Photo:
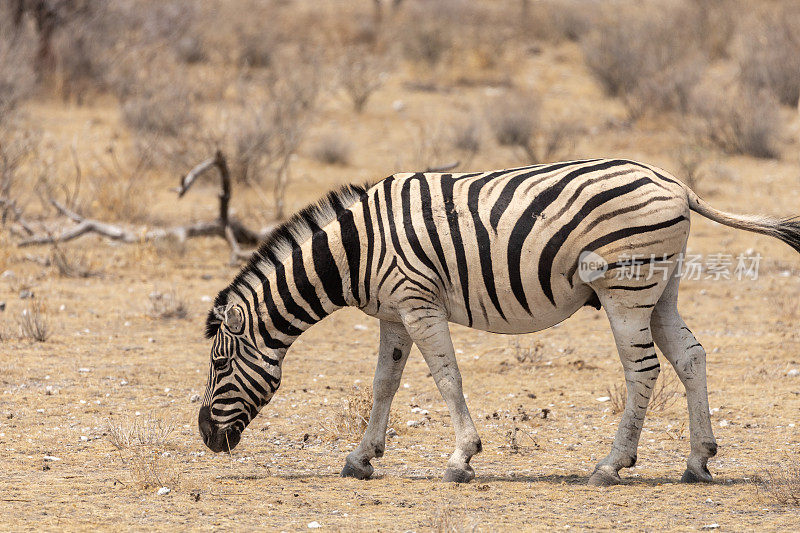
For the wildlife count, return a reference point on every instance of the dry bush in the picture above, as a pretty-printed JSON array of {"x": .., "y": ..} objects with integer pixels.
[
  {"x": 33, "y": 321},
  {"x": 655, "y": 72},
  {"x": 448, "y": 519},
  {"x": 256, "y": 50},
  {"x": 140, "y": 443},
  {"x": 556, "y": 20},
  {"x": 16, "y": 149},
  {"x": 665, "y": 393},
  {"x": 516, "y": 122},
  {"x": 17, "y": 77},
  {"x": 332, "y": 149},
  {"x": 428, "y": 143},
  {"x": 190, "y": 50},
  {"x": 165, "y": 110},
  {"x": 467, "y": 138},
  {"x": 533, "y": 354},
  {"x": 740, "y": 121},
  {"x": 351, "y": 419},
  {"x": 360, "y": 75},
  {"x": 118, "y": 185},
  {"x": 167, "y": 305},
  {"x": 69, "y": 263},
  {"x": 782, "y": 485},
  {"x": 769, "y": 52},
  {"x": 690, "y": 159}
]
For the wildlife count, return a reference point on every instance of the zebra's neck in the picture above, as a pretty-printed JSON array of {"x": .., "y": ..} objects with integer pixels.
[{"x": 292, "y": 289}]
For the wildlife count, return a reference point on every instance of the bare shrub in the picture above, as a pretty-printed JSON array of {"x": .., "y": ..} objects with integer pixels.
[
  {"x": 167, "y": 305},
  {"x": 69, "y": 263},
  {"x": 190, "y": 49},
  {"x": 532, "y": 354},
  {"x": 556, "y": 20},
  {"x": 516, "y": 122},
  {"x": 332, "y": 149},
  {"x": 690, "y": 159},
  {"x": 360, "y": 75},
  {"x": 140, "y": 445},
  {"x": 665, "y": 393},
  {"x": 740, "y": 121},
  {"x": 16, "y": 148},
  {"x": 147, "y": 430},
  {"x": 33, "y": 321},
  {"x": 769, "y": 53},
  {"x": 656, "y": 72},
  {"x": 118, "y": 183},
  {"x": 17, "y": 77},
  {"x": 256, "y": 50},
  {"x": 351, "y": 419},
  {"x": 467, "y": 138},
  {"x": 781, "y": 485},
  {"x": 426, "y": 42},
  {"x": 166, "y": 111}
]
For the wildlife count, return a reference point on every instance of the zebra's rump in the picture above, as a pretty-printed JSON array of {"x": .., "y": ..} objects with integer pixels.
[{"x": 505, "y": 245}]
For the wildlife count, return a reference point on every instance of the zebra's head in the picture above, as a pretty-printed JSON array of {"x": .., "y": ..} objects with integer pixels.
[{"x": 243, "y": 376}]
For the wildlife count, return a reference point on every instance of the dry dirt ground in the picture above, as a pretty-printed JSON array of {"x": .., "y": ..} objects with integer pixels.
[{"x": 110, "y": 369}]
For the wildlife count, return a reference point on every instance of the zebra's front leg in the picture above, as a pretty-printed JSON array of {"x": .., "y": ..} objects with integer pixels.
[
  {"x": 395, "y": 345},
  {"x": 631, "y": 328},
  {"x": 431, "y": 333}
]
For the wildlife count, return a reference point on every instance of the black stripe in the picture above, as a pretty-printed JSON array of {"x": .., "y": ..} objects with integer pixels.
[
  {"x": 326, "y": 269},
  {"x": 379, "y": 217},
  {"x": 430, "y": 225},
  {"x": 624, "y": 233},
  {"x": 648, "y": 368},
  {"x": 632, "y": 288},
  {"x": 647, "y": 358},
  {"x": 447, "y": 182},
  {"x": 507, "y": 194},
  {"x": 623, "y": 210},
  {"x": 392, "y": 229},
  {"x": 484, "y": 243},
  {"x": 304, "y": 287},
  {"x": 408, "y": 225},
  {"x": 389, "y": 270},
  {"x": 644, "y": 345},
  {"x": 548, "y": 254},
  {"x": 370, "y": 247},
  {"x": 352, "y": 249},
  {"x": 526, "y": 221}
]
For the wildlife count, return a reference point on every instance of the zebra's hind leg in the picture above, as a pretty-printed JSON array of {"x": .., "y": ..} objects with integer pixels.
[
  {"x": 688, "y": 357},
  {"x": 431, "y": 334},
  {"x": 630, "y": 323},
  {"x": 395, "y": 345}
]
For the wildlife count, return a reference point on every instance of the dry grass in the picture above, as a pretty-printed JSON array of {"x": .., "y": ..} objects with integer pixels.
[
  {"x": 167, "y": 305},
  {"x": 782, "y": 485},
  {"x": 140, "y": 443},
  {"x": 70, "y": 263},
  {"x": 360, "y": 75},
  {"x": 532, "y": 354},
  {"x": 351, "y": 418},
  {"x": 665, "y": 393},
  {"x": 449, "y": 519},
  {"x": 33, "y": 322}
]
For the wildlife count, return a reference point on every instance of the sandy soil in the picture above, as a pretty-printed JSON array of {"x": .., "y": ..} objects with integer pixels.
[{"x": 109, "y": 365}]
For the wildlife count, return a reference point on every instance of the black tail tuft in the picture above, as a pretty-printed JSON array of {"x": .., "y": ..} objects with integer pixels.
[{"x": 788, "y": 230}]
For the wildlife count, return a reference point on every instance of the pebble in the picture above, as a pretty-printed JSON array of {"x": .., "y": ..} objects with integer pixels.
[
  {"x": 194, "y": 398},
  {"x": 51, "y": 458},
  {"x": 23, "y": 294},
  {"x": 360, "y": 327},
  {"x": 206, "y": 299},
  {"x": 793, "y": 372},
  {"x": 2, "y": 306},
  {"x": 163, "y": 491},
  {"x": 413, "y": 423},
  {"x": 723, "y": 423},
  {"x": 603, "y": 399},
  {"x": 709, "y": 527},
  {"x": 314, "y": 525},
  {"x": 83, "y": 369},
  {"x": 398, "y": 105}
]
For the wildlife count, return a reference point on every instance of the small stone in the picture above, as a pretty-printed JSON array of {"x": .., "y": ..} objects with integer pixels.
[
  {"x": 360, "y": 327},
  {"x": 84, "y": 370},
  {"x": 314, "y": 525},
  {"x": 723, "y": 423},
  {"x": 23, "y": 294},
  {"x": 163, "y": 491},
  {"x": 391, "y": 432},
  {"x": 413, "y": 423},
  {"x": 709, "y": 527},
  {"x": 194, "y": 398},
  {"x": 398, "y": 105},
  {"x": 793, "y": 372},
  {"x": 206, "y": 299},
  {"x": 51, "y": 458},
  {"x": 603, "y": 398},
  {"x": 2, "y": 306},
  {"x": 123, "y": 383},
  {"x": 84, "y": 438}
]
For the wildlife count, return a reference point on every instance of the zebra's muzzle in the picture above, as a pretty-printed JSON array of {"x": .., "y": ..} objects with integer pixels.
[{"x": 217, "y": 440}]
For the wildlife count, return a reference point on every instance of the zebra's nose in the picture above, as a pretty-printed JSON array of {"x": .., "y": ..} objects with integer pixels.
[{"x": 204, "y": 421}]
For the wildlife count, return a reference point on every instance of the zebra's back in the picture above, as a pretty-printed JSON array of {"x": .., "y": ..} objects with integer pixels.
[{"x": 504, "y": 246}]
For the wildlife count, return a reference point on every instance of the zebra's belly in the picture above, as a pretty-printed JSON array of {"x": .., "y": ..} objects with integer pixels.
[{"x": 514, "y": 320}]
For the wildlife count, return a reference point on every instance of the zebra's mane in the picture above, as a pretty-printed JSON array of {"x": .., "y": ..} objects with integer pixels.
[{"x": 288, "y": 236}]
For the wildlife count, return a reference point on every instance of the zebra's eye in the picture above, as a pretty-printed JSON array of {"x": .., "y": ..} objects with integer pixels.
[{"x": 220, "y": 363}]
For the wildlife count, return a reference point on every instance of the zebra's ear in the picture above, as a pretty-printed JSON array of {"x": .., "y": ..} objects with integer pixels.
[
  {"x": 234, "y": 319},
  {"x": 219, "y": 312},
  {"x": 214, "y": 320}
]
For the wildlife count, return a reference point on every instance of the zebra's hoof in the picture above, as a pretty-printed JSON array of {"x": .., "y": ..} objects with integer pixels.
[
  {"x": 362, "y": 472},
  {"x": 604, "y": 477},
  {"x": 459, "y": 475},
  {"x": 693, "y": 477}
]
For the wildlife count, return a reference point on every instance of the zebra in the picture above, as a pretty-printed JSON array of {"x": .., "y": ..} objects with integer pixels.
[{"x": 498, "y": 251}]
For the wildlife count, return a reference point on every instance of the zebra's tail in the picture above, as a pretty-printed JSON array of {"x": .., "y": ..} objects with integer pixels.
[{"x": 785, "y": 229}]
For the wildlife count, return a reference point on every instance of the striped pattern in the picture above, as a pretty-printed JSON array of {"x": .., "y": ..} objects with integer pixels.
[{"x": 498, "y": 251}]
